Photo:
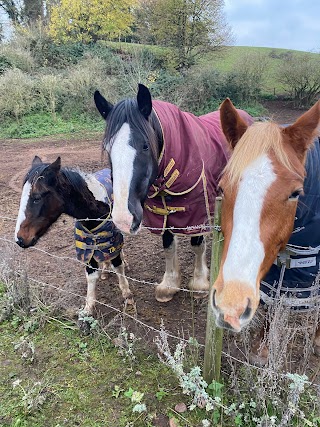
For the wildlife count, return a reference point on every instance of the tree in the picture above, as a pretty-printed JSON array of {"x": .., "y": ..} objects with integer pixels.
[
  {"x": 89, "y": 20},
  {"x": 190, "y": 27},
  {"x": 26, "y": 12},
  {"x": 12, "y": 9},
  {"x": 300, "y": 75}
]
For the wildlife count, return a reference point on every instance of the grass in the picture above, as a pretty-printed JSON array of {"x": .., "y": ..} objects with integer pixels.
[
  {"x": 79, "y": 378},
  {"x": 225, "y": 62},
  {"x": 44, "y": 124}
]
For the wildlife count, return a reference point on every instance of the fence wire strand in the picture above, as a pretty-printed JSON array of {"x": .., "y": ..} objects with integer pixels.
[{"x": 133, "y": 318}]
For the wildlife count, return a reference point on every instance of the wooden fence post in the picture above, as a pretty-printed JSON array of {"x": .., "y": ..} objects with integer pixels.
[{"x": 214, "y": 335}]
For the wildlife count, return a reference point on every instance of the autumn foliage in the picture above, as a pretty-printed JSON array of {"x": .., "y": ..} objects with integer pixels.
[{"x": 90, "y": 20}]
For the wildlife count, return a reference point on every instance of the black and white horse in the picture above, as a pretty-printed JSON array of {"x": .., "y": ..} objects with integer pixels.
[
  {"x": 165, "y": 165},
  {"x": 49, "y": 191}
]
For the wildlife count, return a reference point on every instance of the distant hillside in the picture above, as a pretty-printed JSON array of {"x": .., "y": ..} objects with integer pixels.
[{"x": 226, "y": 60}]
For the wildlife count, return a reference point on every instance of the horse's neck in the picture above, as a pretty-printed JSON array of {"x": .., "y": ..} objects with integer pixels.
[{"x": 89, "y": 202}]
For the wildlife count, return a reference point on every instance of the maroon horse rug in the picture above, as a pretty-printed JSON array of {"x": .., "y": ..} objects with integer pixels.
[{"x": 182, "y": 186}]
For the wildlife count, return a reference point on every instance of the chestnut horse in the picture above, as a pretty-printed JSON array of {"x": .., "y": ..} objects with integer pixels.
[{"x": 260, "y": 186}]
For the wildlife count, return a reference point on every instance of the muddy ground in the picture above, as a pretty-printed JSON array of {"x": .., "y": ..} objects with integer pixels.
[{"x": 143, "y": 252}]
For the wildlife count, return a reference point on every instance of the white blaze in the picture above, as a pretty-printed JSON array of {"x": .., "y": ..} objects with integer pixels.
[
  {"x": 122, "y": 158},
  {"x": 23, "y": 205},
  {"x": 246, "y": 251}
]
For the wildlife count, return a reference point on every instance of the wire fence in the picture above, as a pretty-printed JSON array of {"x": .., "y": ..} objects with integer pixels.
[{"x": 116, "y": 310}]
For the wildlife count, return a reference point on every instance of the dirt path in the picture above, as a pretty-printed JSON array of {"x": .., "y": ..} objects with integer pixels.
[{"x": 143, "y": 252}]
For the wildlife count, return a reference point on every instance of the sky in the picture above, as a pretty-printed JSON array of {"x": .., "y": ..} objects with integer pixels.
[{"x": 290, "y": 24}]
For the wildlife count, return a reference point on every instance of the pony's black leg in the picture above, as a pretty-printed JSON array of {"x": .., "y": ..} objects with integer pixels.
[
  {"x": 200, "y": 281},
  {"x": 118, "y": 266},
  {"x": 171, "y": 280},
  {"x": 196, "y": 240}
]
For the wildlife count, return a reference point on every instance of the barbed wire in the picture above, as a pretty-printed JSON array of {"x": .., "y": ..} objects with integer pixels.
[
  {"x": 159, "y": 331},
  {"x": 133, "y": 279},
  {"x": 140, "y": 322},
  {"x": 202, "y": 227}
]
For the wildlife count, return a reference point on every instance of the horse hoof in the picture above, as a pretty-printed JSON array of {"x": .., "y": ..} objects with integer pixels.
[
  {"x": 259, "y": 354},
  {"x": 84, "y": 326},
  {"x": 166, "y": 298},
  {"x": 165, "y": 294},
  {"x": 130, "y": 301},
  {"x": 258, "y": 360},
  {"x": 199, "y": 295},
  {"x": 316, "y": 350}
]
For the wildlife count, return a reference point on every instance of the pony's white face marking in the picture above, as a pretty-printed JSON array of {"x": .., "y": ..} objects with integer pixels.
[
  {"x": 246, "y": 251},
  {"x": 122, "y": 158},
  {"x": 22, "y": 209},
  {"x": 98, "y": 190}
]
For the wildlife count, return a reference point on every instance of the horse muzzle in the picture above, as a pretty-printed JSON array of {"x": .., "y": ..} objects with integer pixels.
[
  {"x": 26, "y": 244},
  {"x": 231, "y": 319}
]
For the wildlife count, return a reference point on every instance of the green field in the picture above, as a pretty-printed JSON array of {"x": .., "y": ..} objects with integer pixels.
[{"x": 225, "y": 62}]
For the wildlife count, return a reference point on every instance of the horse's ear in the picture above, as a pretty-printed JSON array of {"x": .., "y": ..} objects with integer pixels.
[
  {"x": 304, "y": 130},
  {"x": 144, "y": 100},
  {"x": 36, "y": 161},
  {"x": 104, "y": 107},
  {"x": 55, "y": 166},
  {"x": 233, "y": 126}
]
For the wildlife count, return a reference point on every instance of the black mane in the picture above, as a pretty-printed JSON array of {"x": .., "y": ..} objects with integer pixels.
[
  {"x": 72, "y": 176},
  {"x": 127, "y": 111}
]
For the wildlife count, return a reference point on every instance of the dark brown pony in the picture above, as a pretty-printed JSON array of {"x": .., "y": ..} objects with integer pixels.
[{"x": 49, "y": 191}]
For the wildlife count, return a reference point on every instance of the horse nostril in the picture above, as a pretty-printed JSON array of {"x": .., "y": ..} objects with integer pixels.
[
  {"x": 20, "y": 242},
  {"x": 213, "y": 300},
  {"x": 247, "y": 313}
]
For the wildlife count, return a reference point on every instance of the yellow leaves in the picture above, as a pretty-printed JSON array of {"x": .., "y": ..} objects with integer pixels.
[{"x": 89, "y": 20}]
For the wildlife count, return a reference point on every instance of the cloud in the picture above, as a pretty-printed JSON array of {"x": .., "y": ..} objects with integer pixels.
[{"x": 291, "y": 24}]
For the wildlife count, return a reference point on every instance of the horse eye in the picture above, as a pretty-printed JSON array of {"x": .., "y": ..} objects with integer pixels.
[
  {"x": 37, "y": 198},
  {"x": 145, "y": 147},
  {"x": 295, "y": 195}
]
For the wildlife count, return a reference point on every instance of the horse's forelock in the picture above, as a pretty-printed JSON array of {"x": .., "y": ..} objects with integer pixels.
[
  {"x": 127, "y": 111},
  {"x": 259, "y": 139}
]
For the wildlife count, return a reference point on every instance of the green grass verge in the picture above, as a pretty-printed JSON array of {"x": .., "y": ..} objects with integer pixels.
[
  {"x": 43, "y": 124},
  {"x": 80, "y": 381}
]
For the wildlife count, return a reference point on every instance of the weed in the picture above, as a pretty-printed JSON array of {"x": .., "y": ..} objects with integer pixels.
[
  {"x": 26, "y": 349},
  {"x": 117, "y": 391},
  {"x": 161, "y": 393},
  {"x": 126, "y": 342},
  {"x": 33, "y": 394}
]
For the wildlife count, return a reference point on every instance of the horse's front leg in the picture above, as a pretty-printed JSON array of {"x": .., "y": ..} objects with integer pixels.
[
  {"x": 92, "y": 275},
  {"x": 200, "y": 279},
  {"x": 316, "y": 342},
  {"x": 118, "y": 266},
  {"x": 172, "y": 279}
]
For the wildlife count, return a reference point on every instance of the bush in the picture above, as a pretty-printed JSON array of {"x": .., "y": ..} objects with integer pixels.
[
  {"x": 201, "y": 90},
  {"x": 4, "y": 64},
  {"x": 17, "y": 94},
  {"x": 17, "y": 57},
  {"x": 244, "y": 84},
  {"x": 80, "y": 83}
]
